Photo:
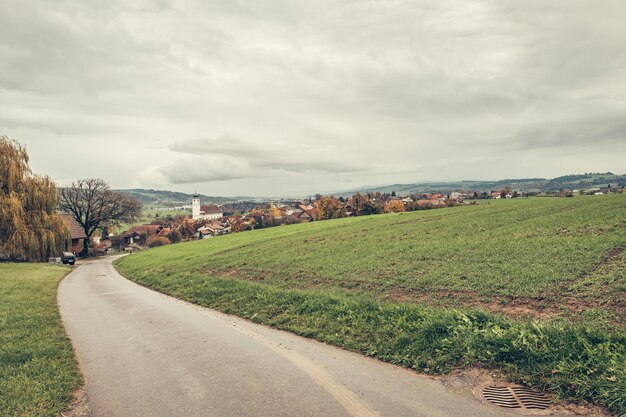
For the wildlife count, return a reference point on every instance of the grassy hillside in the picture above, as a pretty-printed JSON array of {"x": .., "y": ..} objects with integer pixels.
[
  {"x": 545, "y": 255},
  {"x": 38, "y": 373},
  {"x": 150, "y": 213},
  {"x": 384, "y": 285}
]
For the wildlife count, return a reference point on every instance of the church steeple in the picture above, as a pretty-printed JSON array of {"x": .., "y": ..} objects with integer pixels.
[{"x": 195, "y": 206}]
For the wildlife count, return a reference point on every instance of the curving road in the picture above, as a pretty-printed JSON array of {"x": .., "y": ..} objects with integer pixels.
[{"x": 145, "y": 354}]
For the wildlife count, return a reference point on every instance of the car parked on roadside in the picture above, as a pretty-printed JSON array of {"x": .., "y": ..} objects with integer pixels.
[{"x": 68, "y": 258}]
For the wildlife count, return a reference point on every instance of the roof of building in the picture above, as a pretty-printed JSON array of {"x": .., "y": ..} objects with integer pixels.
[
  {"x": 145, "y": 228},
  {"x": 210, "y": 209},
  {"x": 123, "y": 236},
  {"x": 76, "y": 231}
]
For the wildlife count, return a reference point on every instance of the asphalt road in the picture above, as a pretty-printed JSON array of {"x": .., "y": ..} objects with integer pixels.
[{"x": 145, "y": 354}]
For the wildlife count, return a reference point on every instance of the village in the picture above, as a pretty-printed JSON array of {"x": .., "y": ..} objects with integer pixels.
[{"x": 211, "y": 220}]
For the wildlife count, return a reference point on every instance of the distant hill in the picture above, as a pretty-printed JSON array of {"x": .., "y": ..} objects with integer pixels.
[
  {"x": 160, "y": 196},
  {"x": 571, "y": 182}
]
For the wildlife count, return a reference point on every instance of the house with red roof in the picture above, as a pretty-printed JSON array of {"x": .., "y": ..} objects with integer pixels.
[{"x": 77, "y": 234}]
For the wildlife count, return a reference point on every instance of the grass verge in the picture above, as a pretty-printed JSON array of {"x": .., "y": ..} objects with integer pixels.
[{"x": 38, "y": 372}]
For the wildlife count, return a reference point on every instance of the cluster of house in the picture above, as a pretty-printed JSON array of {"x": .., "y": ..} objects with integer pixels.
[
  {"x": 208, "y": 220},
  {"x": 599, "y": 191},
  {"x": 211, "y": 217}
]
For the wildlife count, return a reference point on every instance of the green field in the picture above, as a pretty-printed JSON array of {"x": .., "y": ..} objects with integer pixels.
[
  {"x": 149, "y": 214},
  {"x": 38, "y": 373},
  {"x": 420, "y": 289}
]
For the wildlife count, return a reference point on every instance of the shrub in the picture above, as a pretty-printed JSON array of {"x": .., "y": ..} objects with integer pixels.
[{"x": 159, "y": 241}]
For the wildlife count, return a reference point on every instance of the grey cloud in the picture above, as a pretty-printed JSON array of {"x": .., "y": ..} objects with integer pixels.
[
  {"x": 191, "y": 170},
  {"x": 225, "y": 145},
  {"x": 585, "y": 133},
  {"x": 190, "y": 175},
  {"x": 253, "y": 159},
  {"x": 302, "y": 96}
]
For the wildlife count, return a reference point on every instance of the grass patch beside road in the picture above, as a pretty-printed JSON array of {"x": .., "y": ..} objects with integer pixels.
[
  {"x": 38, "y": 373},
  {"x": 412, "y": 289}
]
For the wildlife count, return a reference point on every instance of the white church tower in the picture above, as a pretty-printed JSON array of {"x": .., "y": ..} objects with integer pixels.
[{"x": 195, "y": 207}]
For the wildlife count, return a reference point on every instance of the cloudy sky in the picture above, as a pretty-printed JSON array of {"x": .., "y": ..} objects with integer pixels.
[{"x": 296, "y": 97}]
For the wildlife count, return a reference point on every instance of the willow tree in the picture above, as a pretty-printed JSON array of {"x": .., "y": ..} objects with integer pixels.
[{"x": 30, "y": 228}]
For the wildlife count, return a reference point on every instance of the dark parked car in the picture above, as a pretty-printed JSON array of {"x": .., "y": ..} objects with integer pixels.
[{"x": 68, "y": 258}]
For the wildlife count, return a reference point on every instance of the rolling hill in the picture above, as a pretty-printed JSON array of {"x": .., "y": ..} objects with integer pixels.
[
  {"x": 158, "y": 196},
  {"x": 570, "y": 182}
]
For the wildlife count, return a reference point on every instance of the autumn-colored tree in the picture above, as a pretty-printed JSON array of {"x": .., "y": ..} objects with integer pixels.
[
  {"x": 174, "y": 236},
  {"x": 275, "y": 211},
  {"x": 357, "y": 202},
  {"x": 394, "y": 206},
  {"x": 271, "y": 221},
  {"x": 330, "y": 208},
  {"x": 187, "y": 228},
  {"x": 292, "y": 220},
  {"x": 236, "y": 224},
  {"x": 371, "y": 207},
  {"x": 94, "y": 205},
  {"x": 158, "y": 241},
  {"x": 30, "y": 228}
]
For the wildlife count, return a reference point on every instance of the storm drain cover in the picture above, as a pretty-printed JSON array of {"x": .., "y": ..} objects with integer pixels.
[{"x": 515, "y": 397}]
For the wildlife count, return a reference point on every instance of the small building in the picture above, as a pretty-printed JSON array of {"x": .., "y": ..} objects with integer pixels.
[
  {"x": 204, "y": 212},
  {"x": 146, "y": 229},
  {"x": 77, "y": 235},
  {"x": 255, "y": 218},
  {"x": 305, "y": 216},
  {"x": 211, "y": 212},
  {"x": 309, "y": 212},
  {"x": 127, "y": 239},
  {"x": 213, "y": 228}
]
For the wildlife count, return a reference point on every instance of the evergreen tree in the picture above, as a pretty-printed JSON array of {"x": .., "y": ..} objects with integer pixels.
[{"x": 30, "y": 228}]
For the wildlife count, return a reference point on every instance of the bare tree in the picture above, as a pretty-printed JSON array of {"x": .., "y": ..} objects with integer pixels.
[{"x": 95, "y": 206}]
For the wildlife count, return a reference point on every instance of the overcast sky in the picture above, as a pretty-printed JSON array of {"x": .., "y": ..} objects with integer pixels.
[{"x": 297, "y": 97}]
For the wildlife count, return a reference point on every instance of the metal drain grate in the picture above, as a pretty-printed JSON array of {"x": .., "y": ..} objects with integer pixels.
[{"x": 515, "y": 397}]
